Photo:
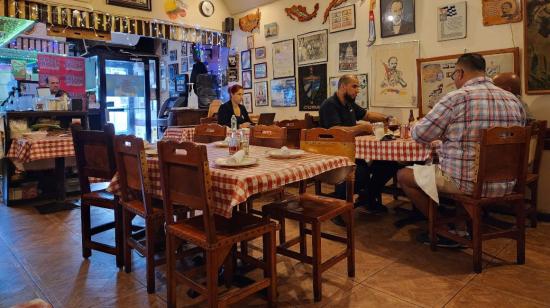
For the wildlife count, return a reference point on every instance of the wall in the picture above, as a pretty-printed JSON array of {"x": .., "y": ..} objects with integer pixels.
[{"x": 479, "y": 38}]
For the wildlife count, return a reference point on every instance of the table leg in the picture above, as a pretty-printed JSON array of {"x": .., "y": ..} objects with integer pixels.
[{"x": 60, "y": 179}]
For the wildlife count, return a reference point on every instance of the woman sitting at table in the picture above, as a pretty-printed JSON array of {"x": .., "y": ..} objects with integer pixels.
[{"x": 234, "y": 107}]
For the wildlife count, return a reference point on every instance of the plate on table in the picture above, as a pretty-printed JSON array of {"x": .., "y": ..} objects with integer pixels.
[
  {"x": 227, "y": 162},
  {"x": 285, "y": 154},
  {"x": 222, "y": 144}
]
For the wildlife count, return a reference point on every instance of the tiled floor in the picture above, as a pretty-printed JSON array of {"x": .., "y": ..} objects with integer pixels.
[{"x": 40, "y": 257}]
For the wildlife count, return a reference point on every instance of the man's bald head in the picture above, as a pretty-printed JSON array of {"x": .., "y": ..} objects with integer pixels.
[
  {"x": 509, "y": 82},
  {"x": 347, "y": 79}
]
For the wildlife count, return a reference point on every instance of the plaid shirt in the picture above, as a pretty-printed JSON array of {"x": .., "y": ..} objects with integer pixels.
[{"x": 458, "y": 118}]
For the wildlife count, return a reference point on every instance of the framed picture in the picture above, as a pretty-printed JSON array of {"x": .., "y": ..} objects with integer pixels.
[
  {"x": 173, "y": 70},
  {"x": 134, "y": 4},
  {"x": 261, "y": 97},
  {"x": 283, "y": 92},
  {"x": 452, "y": 23},
  {"x": 260, "y": 70},
  {"x": 247, "y": 80},
  {"x": 232, "y": 75},
  {"x": 245, "y": 60},
  {"x": 283, "y": 59},
  {"x": 183, "y": 49},
  {"x": 162, "y": 75},
  {"x": 498, "y": 12},
  {"x": 259, "y": 53},
  {"x": 164, "y": 48},
  {"x": 536, "y": 46},
  {"x": 184, "y": 65},
  {"x": 250, "y": 42},
  {"x": 312, "y": 86},
  {"x": 394, "y": 78},
  {"x": 173, "y": 55},
  {"x": 398, "y": 17},
  {"x": 271, "y": 30},
  {"x": 342, "y": 18},
  {"x": 312, "y": 47},
  {"x": 233, "y": 61},
  {"x": 434, "y": 74},
  {"x": 333, "y": 85},
  {"x": 247, "y": 101},
  {"x": 347, "y": 56}
]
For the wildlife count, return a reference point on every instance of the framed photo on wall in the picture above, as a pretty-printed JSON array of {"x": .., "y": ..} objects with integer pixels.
[
  {"x": 246, "y": 62},
  {"x": 261, "y": 97},
  {"x": 271, "y": 30},
  {"x": 362, "y": 98},
  {"x": 247, "y": 79},
  {"x": 247, "y": 101},
  {"x": 283, "y": 92},
  {"x": 312, "y": 47},
  {"x": 260, "y": 70},
  {"x": 250, "y": 42},
  {"x": 312, "y": 86},
  {"x": 452, "y": 22},
  {"x": 397, "y": 17},
  {"x": 347, "y": 56},
  {"x": 283, "y": 59},
  {"x": 434, "y": 74},
  {"x": 259, "y": 53},
  {"x": 536, "y": 31},
  {"x": 134, "y": 4},
  {"x": 498, "y": 12},
  {"x": 342, "y": 18}
]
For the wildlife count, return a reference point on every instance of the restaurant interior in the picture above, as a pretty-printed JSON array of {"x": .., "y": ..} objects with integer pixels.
[{"x": 262, "y": 153}]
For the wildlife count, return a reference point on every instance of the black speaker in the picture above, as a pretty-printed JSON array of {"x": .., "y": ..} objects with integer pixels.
[{"x": 228, "y": 24}]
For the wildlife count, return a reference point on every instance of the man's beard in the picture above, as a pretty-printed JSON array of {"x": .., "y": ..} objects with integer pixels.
[{"x": 349, "y": 98}]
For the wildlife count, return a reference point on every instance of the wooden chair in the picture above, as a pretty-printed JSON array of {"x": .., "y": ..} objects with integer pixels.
[
  {"x": 207, "y": 133},
  {"x": 313, "y": 209},
  {"x": 294, "y": 129},
  {"x": 493, "y": 167},
  {"x": 185, "y": 179},
  {"x": 135, "y": 198},
  {"x": 538, "y": 131},
  {"x": 268, "y": 136},
  {"x": 95, "y": 158},
  {"x": 213, "y": 120}
]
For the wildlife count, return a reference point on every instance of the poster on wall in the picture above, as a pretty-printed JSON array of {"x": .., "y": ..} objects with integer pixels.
[
  {"x": 283, "y": 59},
  {"x": 312, "y": 47},
  {"x": 393, "y": 66},
  {"x": 347, "y": 56},
  {"x": 283, "y": 92},
  {"x": 536, "y": 34},
  {"x": 452, "y": 21},
  {"x": 498, "y": 12},
  {"x": 70, "y": 71},
  {"x": 247, "y": 101},
  {"x": 312, "y": 86},
  {"x": 261, "y": 94},
  {"x": 434, "y": 74},
  {"x": 398, "y": 17},
  {"x": 362, "y": 98},
  {"x": 342, "y": 18}
]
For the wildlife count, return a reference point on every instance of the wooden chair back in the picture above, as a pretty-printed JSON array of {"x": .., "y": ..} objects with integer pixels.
[
  {"x": 132, "y": 170},
  {"x": 208, "y": 120},
  {"x": 94, "y": 154},
  {"x": 293, "y": 131},
  {"x": 538, "y": 131},
  {"x": 181, "y": 161},
  {"x": 213, "y": 108},
  {"x": 494, "y": 166},
  {"x": 311, "y": 122},
  {"x": 268, "y": 136},
  {"x": 206, "y": 133}
]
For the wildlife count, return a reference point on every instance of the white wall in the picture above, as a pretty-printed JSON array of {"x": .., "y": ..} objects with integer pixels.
[{"x": 479, "y": 38}]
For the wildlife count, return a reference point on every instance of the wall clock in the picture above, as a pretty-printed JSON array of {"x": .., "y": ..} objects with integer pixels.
[{"x": 206, "y": 8}]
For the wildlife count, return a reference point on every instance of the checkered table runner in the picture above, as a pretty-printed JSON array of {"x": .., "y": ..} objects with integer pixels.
[
  {"x": 26, "y": 150},
  {"x": 369, "y": 148},
  {"x": 232, "y": 186},
  {"x": 183, "y": 133}
]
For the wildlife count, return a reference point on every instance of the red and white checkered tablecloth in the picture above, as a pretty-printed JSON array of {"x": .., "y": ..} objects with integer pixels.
[
  {"x": 369, "y": 148},
  {"x": 26, "y": 150},
  {"x": 185, "y": 133},
  {"x": 232, "y": 186}
]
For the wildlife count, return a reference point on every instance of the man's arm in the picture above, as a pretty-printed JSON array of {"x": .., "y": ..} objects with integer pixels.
[
  {"x": 357, "y": 130},
  {"x": 375, "y": 117},
  {"x": 434, "y": 124}
]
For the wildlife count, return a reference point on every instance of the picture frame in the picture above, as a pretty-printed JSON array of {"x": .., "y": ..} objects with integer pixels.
[
  {"x": 390, "y": 13},
  {"x": 312, "y": 86},
  {"x": 536, "y": 48},
  {"x": 144, "y": 5},
  {"x": 164, "y": 47},
  {"x": 184, "y": 65},
  {"x": 173, "y": 55},
  {"x": 282, "y": 56},
  {"x": 347, "y": 56},
  {"x": 342, "y": 18},
  {"x": 261, "y": 94},
  {"x": 312, "y": 47},
  {"x": 452, "y": 22},
  {"x": 393, "y": 66},
  {"x": 232, "y": 75},
  {"x": 499, "y": 12},
  {"x": 434, "y": 74},
  {"x": 260, "y": 70},
  {"x": 271, "y": 30},
  {"x": 247, "y": 102},
  {"x": 283, "y": 92},
  {"x": 259, "y": 53},
  {"x": 247, "y": 80},
  {"x": 250, "y": 42},
  {"x": 246, "y": 62},
  {"x": 233, "y": 61}
]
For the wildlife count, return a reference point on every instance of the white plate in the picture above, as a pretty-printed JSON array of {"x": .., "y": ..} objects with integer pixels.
[
  {"x": 290, "y": 153},
  {"x": 221, "y": 144},
  {"x": 247, "y": 161}
]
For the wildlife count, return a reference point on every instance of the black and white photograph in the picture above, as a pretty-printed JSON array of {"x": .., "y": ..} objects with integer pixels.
[
  {"x": 247, "y": 80},
  {"x": 312, "y": 86},
  {"x": 183, "y": 49},
  {"x": 397, "y": 17},
  {"x": 233, "y": 61},
  {"x": 451, "y": 23},
  {"x": 537, "y": 46},
  {"x": 271, "y": 30},
  {"x": 260, "y": 70},
  {"x": 232, "y": 75},
  {"x": 246, "y": 62},
  {"x": 347, "y": 53},
  {"x": 312, "y": 47},
  {"x": 283, "y": 59},
  {"x": 261, "y": 97}
]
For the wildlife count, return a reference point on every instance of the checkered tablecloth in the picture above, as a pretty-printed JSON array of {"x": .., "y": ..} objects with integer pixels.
[
  {"x": 232, "y": 186},
  {"x": 369, "y": 148},
  {"x": 184, "y": 133},
  {"x": 26, "y": 150}
]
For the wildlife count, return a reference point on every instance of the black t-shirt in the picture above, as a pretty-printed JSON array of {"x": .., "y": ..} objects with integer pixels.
[{"x": 333, "y": 113}]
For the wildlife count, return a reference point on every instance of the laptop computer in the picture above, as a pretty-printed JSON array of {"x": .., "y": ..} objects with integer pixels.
[{"x": 266, "y": 118}]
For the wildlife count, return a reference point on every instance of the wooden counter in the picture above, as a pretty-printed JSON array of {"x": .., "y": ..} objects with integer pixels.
[{"x": 183, "y": 117}]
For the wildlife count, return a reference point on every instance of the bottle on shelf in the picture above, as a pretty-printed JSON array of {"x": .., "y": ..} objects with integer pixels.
[{"x": 411, "y": 117}]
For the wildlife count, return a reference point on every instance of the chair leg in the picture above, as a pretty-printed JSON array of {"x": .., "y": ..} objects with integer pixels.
[
  {"x": 476, "y": 237},
  {"x": 303, "y": 237},
  {"x": 212, "y": 279},
  {"x": 86, "y": 229},
  {"x": 533, "y": 214},
  {"x": 520, "y": 225},
  {"x": 395, "y": 188},
  {"x": 119, "y": 236},
  {"x": 270, "y": 267},
  {"x": 150, "y": 256},
  {"x": 432, "y": 216},
  {"x": 127, "y": 229},
  {"x": 351, "y": 244},
  {"x": 316, "y": 247},
  {"x": 282, "y": 230},
  {"x": 170, "y": 271}
]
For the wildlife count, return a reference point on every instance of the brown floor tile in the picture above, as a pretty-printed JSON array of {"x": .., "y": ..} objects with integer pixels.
[
  {"x": 363, "y": 296},
  {"x": 477, "y": 295}
]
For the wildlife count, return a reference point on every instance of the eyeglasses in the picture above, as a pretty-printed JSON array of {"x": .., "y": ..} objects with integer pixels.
[{"x": 453, "y": 75}]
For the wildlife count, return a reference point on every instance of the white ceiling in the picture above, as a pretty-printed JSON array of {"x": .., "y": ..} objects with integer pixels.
[{"x": 239, "y": 6}]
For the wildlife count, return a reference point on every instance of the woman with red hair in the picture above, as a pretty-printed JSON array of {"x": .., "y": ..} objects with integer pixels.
[{"x": 234, "y": 107}]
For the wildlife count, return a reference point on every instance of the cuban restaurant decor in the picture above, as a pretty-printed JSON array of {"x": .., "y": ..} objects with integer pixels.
[
  {"x": 250, "y": 22},
  {"x": 175, "y": 8},
  {"x": 333, "y": 4},
  {"x": 300, "y": 12}
]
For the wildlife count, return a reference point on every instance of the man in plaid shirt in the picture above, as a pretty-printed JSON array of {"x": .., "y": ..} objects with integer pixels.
[{"x": 457, "y": 120}]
